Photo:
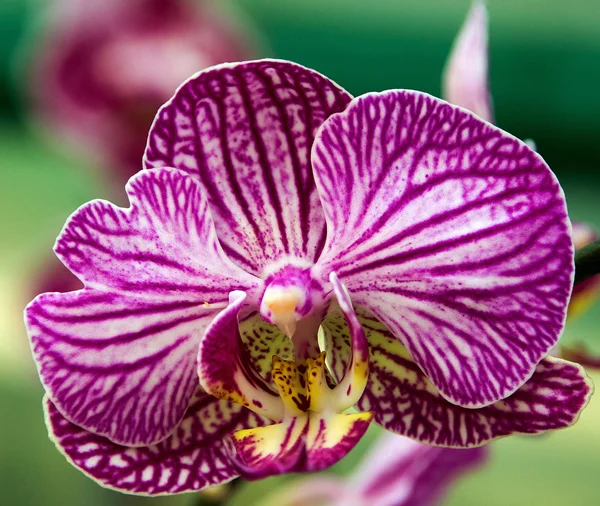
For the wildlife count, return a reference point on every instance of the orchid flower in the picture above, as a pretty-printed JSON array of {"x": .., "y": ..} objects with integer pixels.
[
  {"x": 396, "y": 472},
  {"x": 466, "y": 83},
  {"x": 300, "y": 252}
]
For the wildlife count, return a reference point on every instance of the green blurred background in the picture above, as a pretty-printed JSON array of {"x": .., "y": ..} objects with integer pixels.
[{"x": 545, "y": 77}]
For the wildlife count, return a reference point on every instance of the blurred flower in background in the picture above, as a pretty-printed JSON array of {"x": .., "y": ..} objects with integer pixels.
[
  {"x": 104, "y": 67},
  {"x": 397, "y": 471},
  {"x": 465, "y": 79}
]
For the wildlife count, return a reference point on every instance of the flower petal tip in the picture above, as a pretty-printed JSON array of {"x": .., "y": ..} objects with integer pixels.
[{"x": 465, "y": 78}]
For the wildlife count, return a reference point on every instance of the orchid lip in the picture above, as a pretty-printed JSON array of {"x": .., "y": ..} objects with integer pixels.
[{"x": 311, "y": 428}]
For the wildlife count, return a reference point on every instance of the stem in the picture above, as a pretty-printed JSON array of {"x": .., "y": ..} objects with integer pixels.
[{"x": 587, "y": 261}]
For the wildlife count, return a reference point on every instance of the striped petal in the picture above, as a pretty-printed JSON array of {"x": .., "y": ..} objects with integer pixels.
[
  {"x": 118, "y": 358},
  {"x": 117, "y": 365},
  {"x": 401, "y": 472},
  {"x": 269, "y": 451},
  {"x": 245, "y": 132},
  {"x": 404, "y": 401},
  {"x": 452, "y": 232},
  {"x": 165, "y": 244},
  {"x": 192, "y": 458},
  {"x": 465, "y": 81}
]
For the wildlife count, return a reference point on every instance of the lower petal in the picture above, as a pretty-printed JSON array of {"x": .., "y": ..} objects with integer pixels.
[
  {"x": 331, "y": 438},
  {"x": 272, "y": 450},
  {"x": 404, "y": 401},
  {"x": 117, "y": 365},
  {"x": 192, "y": 458},
  {"x": 404, "y": 472}
]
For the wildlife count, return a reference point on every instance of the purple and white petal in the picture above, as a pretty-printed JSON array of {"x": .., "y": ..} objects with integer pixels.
[
  {"x": 452, "y": 232},
  {"x": 331, "y": 438},
  {"x": 404, "y": 401},
  {"x": 401, "y": 472},
  {"x": 115, "y": 364},
  {"x": 192, "y": 458},
  {"x": 465, "y": 81},
  {"x": 118, "y": 358},
  {"x": 245, "y": 131},
  {"x": 164, "y": 245}
]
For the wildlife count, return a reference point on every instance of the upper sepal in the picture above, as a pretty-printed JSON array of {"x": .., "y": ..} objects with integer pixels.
[{"x": 245, "y": 131}]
